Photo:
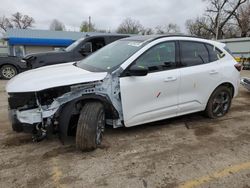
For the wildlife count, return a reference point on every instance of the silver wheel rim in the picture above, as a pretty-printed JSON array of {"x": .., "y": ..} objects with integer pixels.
[
  {"x": 8, "y": 72},
  {"x": 100, "y": 127}
]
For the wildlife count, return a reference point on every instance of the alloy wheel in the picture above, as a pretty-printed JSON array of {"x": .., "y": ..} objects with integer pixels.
[
  {"x": 221, "y": 104},
  {"x": 8, "y": 72}
]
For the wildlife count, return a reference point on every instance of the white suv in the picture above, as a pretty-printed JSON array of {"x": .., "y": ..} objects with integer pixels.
[{"x": 132, "y": 81}]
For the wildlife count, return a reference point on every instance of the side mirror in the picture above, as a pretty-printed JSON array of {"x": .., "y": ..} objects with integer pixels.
[
  {"x": 86, "y": 48},
  {"x": 137, "y": 71}
]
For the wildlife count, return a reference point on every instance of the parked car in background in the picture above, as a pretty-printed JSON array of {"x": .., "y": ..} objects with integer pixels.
[
  {"x": 129, "y": 82},
  {"x": 245, "y": 82},
  {"x": 75, "y": 52},
  {"x": 10, "y": 66},
  {"x": 246, "y": 63}
]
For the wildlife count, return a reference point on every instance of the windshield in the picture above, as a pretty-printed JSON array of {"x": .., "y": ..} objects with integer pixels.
[
  {"x": 73, "y": 45},
  {"x": 111, "y": 56}
]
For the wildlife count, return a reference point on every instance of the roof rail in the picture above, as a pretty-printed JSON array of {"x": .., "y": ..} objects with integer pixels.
[{"x": 175, "y": 35}]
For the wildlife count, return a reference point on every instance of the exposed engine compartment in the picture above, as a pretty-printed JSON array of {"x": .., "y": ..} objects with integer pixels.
[{"x": 29, "y": 100}]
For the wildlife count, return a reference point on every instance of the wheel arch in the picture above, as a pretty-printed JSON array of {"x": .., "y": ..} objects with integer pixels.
[
  {"x": 227, "y": 84},
  {"x": 208, "y": 109},
  {"x": 74, "y": 107},
  {"x": 110, "y": 110},
  {"x": 11, "y": 65}
]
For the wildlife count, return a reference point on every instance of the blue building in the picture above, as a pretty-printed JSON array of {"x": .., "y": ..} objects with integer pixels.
[{"x": 25, "y": 41}]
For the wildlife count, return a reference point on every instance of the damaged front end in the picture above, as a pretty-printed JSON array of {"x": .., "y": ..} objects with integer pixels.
[
  {"x": 41, "y": 110},
  {"x": 34, "y": 111}
]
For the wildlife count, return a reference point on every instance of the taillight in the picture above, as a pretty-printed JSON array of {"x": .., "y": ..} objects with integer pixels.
[{"x": 238, "y": 66}]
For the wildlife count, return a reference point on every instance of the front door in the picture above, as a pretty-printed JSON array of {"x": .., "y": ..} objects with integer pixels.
[{"x": 154, "y": 96}]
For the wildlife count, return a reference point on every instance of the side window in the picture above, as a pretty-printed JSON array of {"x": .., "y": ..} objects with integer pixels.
[
  {"x": 193, "y": 53},
  {"x": 214, "y": 53},
  {"x": 97, "y": 43},
  {"x": 159, "y": 57},
  {"x": 19, "y": 51}
]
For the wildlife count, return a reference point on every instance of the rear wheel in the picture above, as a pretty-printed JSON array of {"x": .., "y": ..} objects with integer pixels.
[
  {"x": 8, "y": 71},
  {"x": 90, "y": 126},
  {"x": 219, "y": 102}
]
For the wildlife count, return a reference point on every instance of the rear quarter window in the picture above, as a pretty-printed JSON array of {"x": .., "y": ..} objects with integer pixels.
[{"x": 214, "y": 53}]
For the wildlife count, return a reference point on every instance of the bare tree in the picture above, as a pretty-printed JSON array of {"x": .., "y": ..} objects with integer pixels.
[
  {"x": 87, "y": 27},
  {"x": 146, "y": 31},
  {"x": 159, "y": 29},
  {"x": 200, "y": 27},
  {"x": 173, "y": 28},
  {"x": 130, "y": 26},
  {"x": 17, "y": 20},
  {"x": 170, "y": 28},
  {"x": 242, "y": 17},
  {"x": 56, "y": 25},
  {"x": 220, "y": 12},
  {"x": 22, "y": 21},
  {"x": 217, "y": 17},
  {"x": 5, "y": 23}
]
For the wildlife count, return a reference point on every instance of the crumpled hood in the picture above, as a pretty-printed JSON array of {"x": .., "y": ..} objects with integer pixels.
[{"x": 50, "y": 77}]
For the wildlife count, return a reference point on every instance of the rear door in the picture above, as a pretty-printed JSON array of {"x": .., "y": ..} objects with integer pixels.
[
  {"x": 154, "y": 96},
  {"x": 199, "y": 76}
]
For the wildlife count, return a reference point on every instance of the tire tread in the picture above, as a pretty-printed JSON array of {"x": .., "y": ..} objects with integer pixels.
[{"x": 86, "y": 128}]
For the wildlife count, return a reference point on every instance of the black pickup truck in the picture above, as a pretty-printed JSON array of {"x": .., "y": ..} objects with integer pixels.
[
  {"x": 10, "y": 66},
  {"x": 75, "y": 52}
]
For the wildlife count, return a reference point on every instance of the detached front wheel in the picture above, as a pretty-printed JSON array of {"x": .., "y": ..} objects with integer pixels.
[{"x": 90, "y": 127}]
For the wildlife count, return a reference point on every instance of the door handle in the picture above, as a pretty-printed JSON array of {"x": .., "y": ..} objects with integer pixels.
[
  {"x": 213, "y": 72},
  {"x": 170, "y": 79}
]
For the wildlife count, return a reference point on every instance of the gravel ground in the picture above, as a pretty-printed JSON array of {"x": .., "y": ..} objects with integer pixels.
[{"x": 188, "y": 151}]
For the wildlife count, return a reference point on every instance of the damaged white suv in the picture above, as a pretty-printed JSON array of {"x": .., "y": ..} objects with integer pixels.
[{"x": 132, "y": 81}]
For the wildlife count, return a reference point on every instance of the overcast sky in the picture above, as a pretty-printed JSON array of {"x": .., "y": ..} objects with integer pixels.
[{"x": 105, "y": 14}]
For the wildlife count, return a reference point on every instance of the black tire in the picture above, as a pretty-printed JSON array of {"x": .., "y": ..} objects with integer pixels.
[
  {"x": 90, "y": 126},
  {"x": 8, "y": 71},
  {"x": 219, "y": 102}
]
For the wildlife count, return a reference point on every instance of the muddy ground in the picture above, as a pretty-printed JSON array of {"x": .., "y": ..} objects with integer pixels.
[{"x": 188, "y": 151}]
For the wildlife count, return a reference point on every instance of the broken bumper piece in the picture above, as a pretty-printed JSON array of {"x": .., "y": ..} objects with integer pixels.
[{"x": 32, "y": 116}]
